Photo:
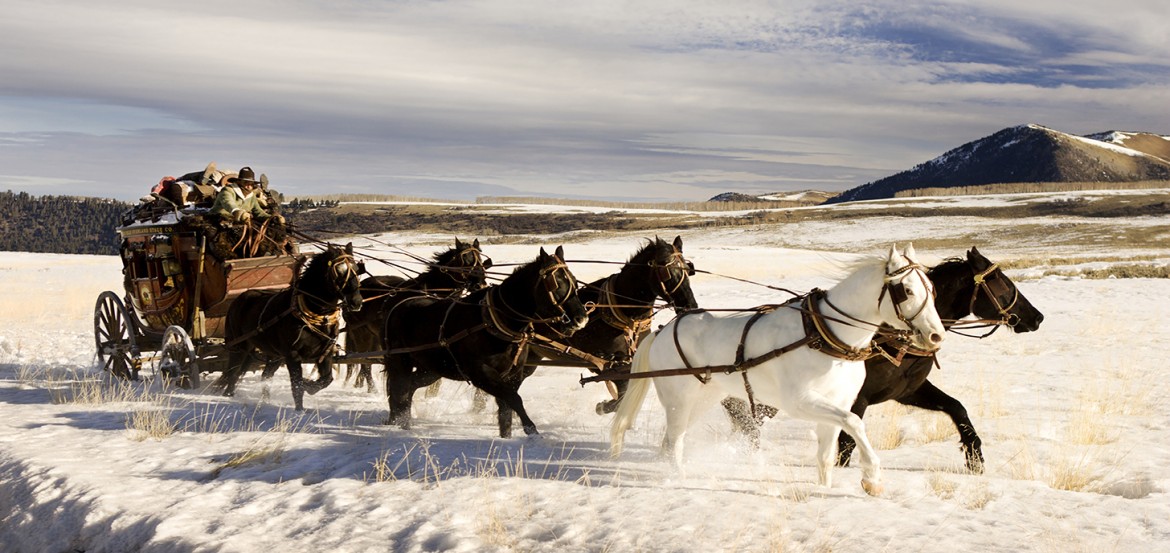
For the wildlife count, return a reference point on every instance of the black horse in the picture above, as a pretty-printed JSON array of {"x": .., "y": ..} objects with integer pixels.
[
  {"x": 297, "y": 324},
  {"x": 482, "y": 338},
  {"x": 452, "y": 273},
  {"x": 964, "y": 287},
  {"x": 624, "y": 307}
]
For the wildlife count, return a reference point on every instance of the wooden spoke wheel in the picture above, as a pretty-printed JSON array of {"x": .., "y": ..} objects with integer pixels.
[
  {"x": 176, "y": 359},
  {"x": 116, "y": 337}
]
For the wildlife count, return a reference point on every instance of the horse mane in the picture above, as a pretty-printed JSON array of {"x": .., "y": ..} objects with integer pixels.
[
  {"x": 946, "y": 267},
  {"x": 649, "y": 251},
  {"x": 529, "y": 267},
  {"x": 442, "y": 257},
  {"x": 319, "y": 264},
  {"x": 839, "y": 269}
]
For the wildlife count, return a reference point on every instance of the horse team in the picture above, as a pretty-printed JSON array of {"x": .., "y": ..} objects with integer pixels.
[{"x": 823, "y": 357}]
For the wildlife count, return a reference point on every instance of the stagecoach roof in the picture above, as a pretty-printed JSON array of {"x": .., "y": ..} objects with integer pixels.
[{"x": 164, "y": 219}]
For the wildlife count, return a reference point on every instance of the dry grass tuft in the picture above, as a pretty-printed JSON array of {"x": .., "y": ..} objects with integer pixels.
[
  {"x": 941, "y": 486},
  {"x": 1073, "y": 474},
  {"x": 144, "y": 424}
]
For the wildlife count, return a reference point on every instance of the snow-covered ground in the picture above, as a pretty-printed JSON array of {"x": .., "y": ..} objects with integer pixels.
[{"x": 1073, "y": 420}]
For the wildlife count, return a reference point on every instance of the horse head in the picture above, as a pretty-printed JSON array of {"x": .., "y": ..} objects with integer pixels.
[
  {"x": 467, "y": 263},
  {"x": 344, "y": 276},
  {"x": 995, "y": 296},
  {"x": 671, "y": 272},
  {"x": 911, "y": 306},
  {"x": 555, "y": 294}
]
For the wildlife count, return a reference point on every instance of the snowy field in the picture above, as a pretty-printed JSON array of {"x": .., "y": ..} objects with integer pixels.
[{"x": 1073, "y": 419}]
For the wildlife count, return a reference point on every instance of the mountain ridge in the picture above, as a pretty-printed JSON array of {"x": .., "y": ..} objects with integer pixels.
[{"x": 1031, "y": 153}]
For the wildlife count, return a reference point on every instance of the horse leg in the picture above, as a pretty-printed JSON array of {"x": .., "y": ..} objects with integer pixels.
[
  {"x": 845, "y": 443},
  {"x": 611, "y": 405},
  {"x": 364, "y": 340},
  {"x": 400, "y": 387},
  {"x": 296, "y": 380},
  {"x": 927, "y": 396},
  {"x": 325, "y": 370},
  {"x": 826, "y": 452},
  {"x": 684, "y": 404},
  {"x": 817, "y": 409},
  {"x": 507, "y": 401},
  {"x": 238, "y": 363},
  {"x": 365, "y": 374},
  {"x": 270, "y": 368}
]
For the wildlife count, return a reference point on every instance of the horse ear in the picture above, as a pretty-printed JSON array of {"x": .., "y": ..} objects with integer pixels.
[
  {"x": 678, "y": 242},
  {"x": 560, "y": 253},
  {"x": 910, "y": 253},
  {"x": 475, "y": 243},
  {"x": 977, "y": 260},
  {"x": 458, "y": 244},
  {"x": 542, "y": 254},
  {"x": 349, "y": 248}
]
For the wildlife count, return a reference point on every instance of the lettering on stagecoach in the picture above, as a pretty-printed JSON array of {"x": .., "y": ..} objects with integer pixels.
[{"x": 152, "y": 229}]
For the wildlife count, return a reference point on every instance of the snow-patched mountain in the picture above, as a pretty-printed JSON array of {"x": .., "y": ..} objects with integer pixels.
[
  {"x": 1032, "y": 153},
  {"x": 799, "y": 197}
]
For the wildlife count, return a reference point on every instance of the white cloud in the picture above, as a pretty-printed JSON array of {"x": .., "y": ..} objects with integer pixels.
[{"x": 517, "y": 95}]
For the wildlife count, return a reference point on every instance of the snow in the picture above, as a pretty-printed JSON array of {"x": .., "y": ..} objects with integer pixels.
[
  {"x": 1109, "y": 146},
  {"x": 1072, "y": 419}
]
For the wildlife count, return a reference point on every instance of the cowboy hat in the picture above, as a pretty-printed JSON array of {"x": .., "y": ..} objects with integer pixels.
[{"x": 246, "y": 176}]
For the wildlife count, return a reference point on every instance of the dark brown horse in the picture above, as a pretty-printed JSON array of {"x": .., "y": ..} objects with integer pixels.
[
  {"x": 298, "y": 324},
  {"x": 482, "y": 338},
  {"x": 453, "y": 272},
  {"x": 970, "y": 286},
  {"x": 625, "y": 305}
]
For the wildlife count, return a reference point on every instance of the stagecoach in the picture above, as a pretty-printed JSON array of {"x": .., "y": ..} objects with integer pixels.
[{"x": 169, "y": 318}]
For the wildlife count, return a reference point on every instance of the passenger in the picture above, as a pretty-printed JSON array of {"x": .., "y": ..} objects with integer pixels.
[{"x": 202, "y": 186}]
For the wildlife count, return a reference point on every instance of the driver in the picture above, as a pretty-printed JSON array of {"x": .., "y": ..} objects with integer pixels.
[{"x": 238, "y": 203}]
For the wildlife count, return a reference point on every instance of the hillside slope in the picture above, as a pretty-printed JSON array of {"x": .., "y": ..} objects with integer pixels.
[{"x": 1031, "y": 153}]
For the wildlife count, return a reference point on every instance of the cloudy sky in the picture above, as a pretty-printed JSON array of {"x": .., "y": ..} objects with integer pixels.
[{"x": 623, "y": 100}]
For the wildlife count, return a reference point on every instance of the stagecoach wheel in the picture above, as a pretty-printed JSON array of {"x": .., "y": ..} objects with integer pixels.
[
  {"x": 116, "y": 337},
  {"x": 176, "y": 358}
]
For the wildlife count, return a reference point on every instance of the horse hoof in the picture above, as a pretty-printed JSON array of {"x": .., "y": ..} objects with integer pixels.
[
  {"x": 976, "y": 467},
  {"x": 872, "y": 488}
]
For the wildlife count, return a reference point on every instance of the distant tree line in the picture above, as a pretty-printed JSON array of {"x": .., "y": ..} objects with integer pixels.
[
  {"x": 59, "y": 224},
  {"x": 299, "y": 204}
]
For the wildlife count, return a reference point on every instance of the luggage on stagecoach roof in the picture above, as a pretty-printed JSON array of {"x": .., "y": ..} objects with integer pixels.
[{"x": 198, "y": 188}]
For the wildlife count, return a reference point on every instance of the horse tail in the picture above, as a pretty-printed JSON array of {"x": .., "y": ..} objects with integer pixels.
[{"x": 631, "y": 402}]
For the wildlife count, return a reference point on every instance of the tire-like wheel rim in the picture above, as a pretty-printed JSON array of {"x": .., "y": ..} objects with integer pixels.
[
  {"x": 177, "y": 359},
  {"x": 117, "y": 347}
]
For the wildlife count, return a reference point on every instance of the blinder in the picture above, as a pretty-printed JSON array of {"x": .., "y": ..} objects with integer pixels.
[
  {"x": 898, "y": 292},
  {"x": 993, "y": 284}
]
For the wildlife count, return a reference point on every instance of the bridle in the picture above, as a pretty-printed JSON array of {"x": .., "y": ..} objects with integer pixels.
[
  {"x": 984, "y": 281},
  {"x": 662, "y": 274},
  {"x": 470, "y": 258},
  {"x": 549, "y": 281},
  {"x": 341, "y": 269},
  {"x": 548, "y": 275},
  {"x": 895, "y": 285}
]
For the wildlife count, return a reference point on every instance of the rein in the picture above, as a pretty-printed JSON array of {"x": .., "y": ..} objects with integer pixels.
[{"x": 817, "y": 336}]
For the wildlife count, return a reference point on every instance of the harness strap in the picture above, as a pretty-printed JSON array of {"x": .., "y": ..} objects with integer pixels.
[
  {"x": 558, "y": 347},
  {"x": 825, "y": 341},
  {"x": 682, "y": 355}
]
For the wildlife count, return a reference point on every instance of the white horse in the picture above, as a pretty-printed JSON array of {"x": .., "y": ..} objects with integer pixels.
[{"x": 780, "y": 366}]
